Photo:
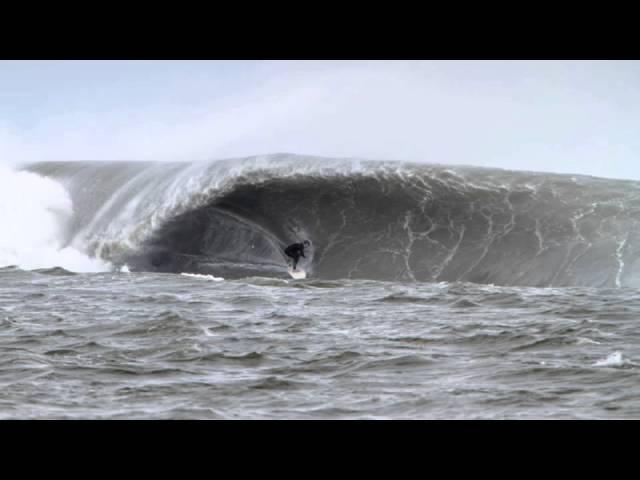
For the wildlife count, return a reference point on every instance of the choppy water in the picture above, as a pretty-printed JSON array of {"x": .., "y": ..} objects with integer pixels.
[{"x": 152, "y": 345}]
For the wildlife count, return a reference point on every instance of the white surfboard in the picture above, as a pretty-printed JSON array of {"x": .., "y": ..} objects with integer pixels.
[{"x": 298, "y": 273}]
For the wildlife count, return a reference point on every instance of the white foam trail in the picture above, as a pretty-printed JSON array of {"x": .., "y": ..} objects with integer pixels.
[
  {"x": 203, "y": 277},
  {"x": 34, "y": 212},
  {"x": 619, "y": 257},
  {"x": 613, "y": 360}
]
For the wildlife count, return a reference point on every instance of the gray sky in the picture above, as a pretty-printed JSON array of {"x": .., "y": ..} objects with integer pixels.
[{"x": 559, "y": 116}]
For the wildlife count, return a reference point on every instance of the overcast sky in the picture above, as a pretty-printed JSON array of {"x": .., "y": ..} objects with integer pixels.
[{"x": 559, "y": 116}]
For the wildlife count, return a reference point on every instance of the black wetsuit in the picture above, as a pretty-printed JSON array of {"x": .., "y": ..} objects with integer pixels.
[{"x": 295, "y": 251}]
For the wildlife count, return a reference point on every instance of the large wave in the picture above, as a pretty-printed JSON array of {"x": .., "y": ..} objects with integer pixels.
[{"x": 373, "y": 220}]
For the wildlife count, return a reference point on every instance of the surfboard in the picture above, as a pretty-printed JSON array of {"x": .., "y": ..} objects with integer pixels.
[{"x": 298, "y": 274}]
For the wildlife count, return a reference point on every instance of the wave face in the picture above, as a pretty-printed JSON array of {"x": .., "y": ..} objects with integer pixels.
[{"x": 370, "y": 220}]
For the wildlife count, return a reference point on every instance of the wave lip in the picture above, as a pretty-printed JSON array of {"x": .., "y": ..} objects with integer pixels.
[{"x": 366, "y": 220}]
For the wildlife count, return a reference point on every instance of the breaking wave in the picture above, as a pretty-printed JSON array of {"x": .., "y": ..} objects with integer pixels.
[
  {"x": 34, "y": 213},
  {"x": 370, "y": 220}
]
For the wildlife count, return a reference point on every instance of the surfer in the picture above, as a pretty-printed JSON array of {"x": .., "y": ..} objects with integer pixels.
[{"x": 295, "y": 251}]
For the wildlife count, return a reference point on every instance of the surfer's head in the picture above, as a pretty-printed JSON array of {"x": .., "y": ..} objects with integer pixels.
[{"x": 306, "y": 243}]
